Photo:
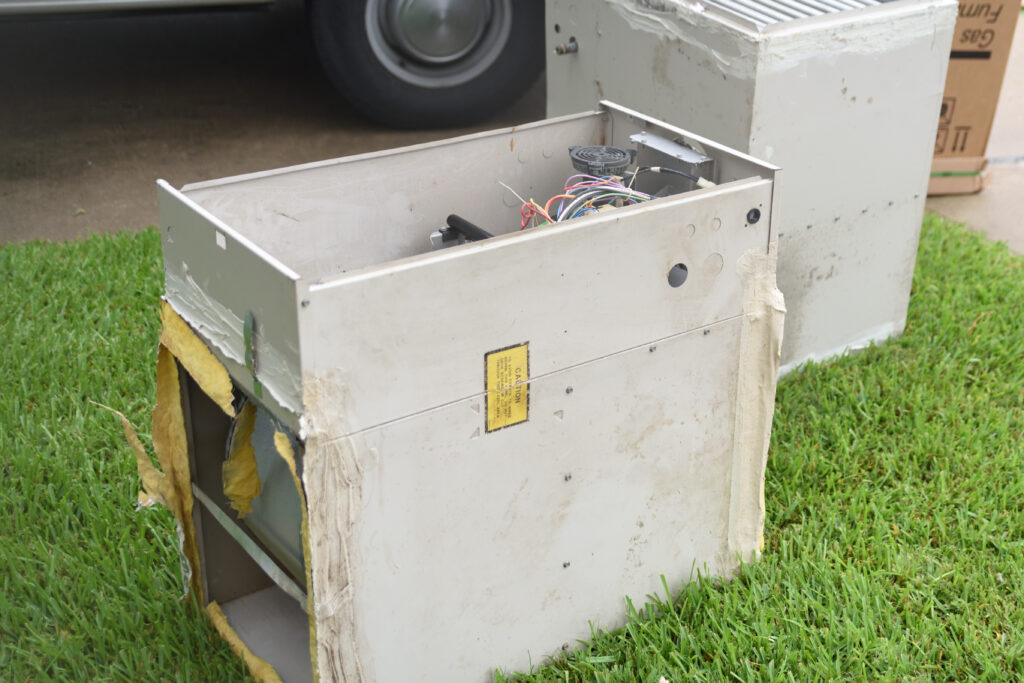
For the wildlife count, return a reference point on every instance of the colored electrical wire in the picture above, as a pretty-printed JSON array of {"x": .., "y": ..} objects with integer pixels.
[{"x": 583, "y": 194}]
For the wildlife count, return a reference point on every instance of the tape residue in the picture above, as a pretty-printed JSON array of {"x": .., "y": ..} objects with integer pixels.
[
  {"x": 333, "y": 479},
  {"x": 760, "y": 350},
  {"x": 223, "y": 329},
  {"x": 687, "y": 23},
  {"x": 871, "y": 32}
]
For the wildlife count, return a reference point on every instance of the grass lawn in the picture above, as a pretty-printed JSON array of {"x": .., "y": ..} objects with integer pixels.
[{"x": 894, "y": 540}]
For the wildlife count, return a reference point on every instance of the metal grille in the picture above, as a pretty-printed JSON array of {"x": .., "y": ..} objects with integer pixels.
[{"x": 765, "y": 12}]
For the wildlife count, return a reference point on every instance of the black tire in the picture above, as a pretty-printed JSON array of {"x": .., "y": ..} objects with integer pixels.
[{"x": 387, "y": 86}]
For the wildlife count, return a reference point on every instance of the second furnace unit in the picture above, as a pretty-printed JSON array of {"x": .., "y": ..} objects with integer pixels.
[{"x": 844, "y": 95}]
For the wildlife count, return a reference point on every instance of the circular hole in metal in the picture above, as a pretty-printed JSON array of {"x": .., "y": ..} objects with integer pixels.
[{"x": 677, "y": 274}]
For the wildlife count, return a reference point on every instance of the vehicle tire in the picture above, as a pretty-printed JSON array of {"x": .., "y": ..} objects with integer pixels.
[{"x": 429, "y": 63}]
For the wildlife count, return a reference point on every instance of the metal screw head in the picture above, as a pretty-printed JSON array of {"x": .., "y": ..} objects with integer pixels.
[
  {"x": 565, "y": 565},
  {"x": 753, "y": 216},
  {"x": 568, "y": 48},
  {"x": 568, "y": 390}
]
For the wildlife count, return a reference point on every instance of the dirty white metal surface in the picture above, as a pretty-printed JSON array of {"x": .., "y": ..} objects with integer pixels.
[
  {"x": 516, "y": 541},
  {"x": 432, "y": 532},
  {"x": 846, "y": 101}
]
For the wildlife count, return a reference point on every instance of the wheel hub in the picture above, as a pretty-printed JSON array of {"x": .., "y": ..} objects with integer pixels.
[
  {"x": 438, "y": 43},
  {"x": 435, "y": 31}
]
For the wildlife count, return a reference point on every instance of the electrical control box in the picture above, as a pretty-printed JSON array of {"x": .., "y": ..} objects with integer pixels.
[{"x": 446, "y": 407}]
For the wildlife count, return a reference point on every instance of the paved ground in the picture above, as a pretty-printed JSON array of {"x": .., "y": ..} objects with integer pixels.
[{"x": 94, "y": 109}]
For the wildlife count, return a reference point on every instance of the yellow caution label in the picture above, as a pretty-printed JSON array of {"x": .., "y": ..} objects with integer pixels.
[{"x": 508, "y": 392}]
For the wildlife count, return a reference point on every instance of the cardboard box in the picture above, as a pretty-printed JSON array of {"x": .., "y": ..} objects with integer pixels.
[{"x": 977, "y": 62}]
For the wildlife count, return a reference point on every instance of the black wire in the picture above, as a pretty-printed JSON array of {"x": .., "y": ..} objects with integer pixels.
[{"x": 665, "y": 169}]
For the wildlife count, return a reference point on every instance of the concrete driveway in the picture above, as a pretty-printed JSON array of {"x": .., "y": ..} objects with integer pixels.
[{"x": 93, "y": 109}]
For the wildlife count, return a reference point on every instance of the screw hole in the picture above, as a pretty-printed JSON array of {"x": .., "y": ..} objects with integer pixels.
[
  {"x": 558, "y": 29},
  {"x": 677, "y": 274}
]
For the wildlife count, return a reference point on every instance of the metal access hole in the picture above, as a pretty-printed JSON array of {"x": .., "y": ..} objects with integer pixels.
[{"x": 677, "y": 274}]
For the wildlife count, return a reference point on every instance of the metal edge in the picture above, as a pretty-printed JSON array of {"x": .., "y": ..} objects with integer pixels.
[
  {"x": 224, "y": 227},
  {"x": 338, "y": 161}
]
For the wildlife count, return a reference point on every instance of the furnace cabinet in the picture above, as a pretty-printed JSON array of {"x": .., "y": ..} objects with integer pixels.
[
  {"x": 843, "y": 94},
  {"x": 466, "y": 456}
]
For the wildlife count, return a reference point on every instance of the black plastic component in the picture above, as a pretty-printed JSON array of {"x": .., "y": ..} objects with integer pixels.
[
  {"x": 601, "y": 160},
  {"x": 468, "y": 230}
]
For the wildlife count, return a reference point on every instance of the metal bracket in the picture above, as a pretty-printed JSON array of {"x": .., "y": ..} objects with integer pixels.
[{"x": 266, "y": 563}]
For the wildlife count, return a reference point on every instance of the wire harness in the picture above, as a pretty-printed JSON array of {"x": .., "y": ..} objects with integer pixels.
[
  {"x": 585, "y": 193},
  {"x": 581, "y": 195}
]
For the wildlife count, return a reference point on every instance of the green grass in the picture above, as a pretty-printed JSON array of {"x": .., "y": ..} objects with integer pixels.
[
  {"x": 89, "y": 589},
  {"x": 894, "y": 541}
]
